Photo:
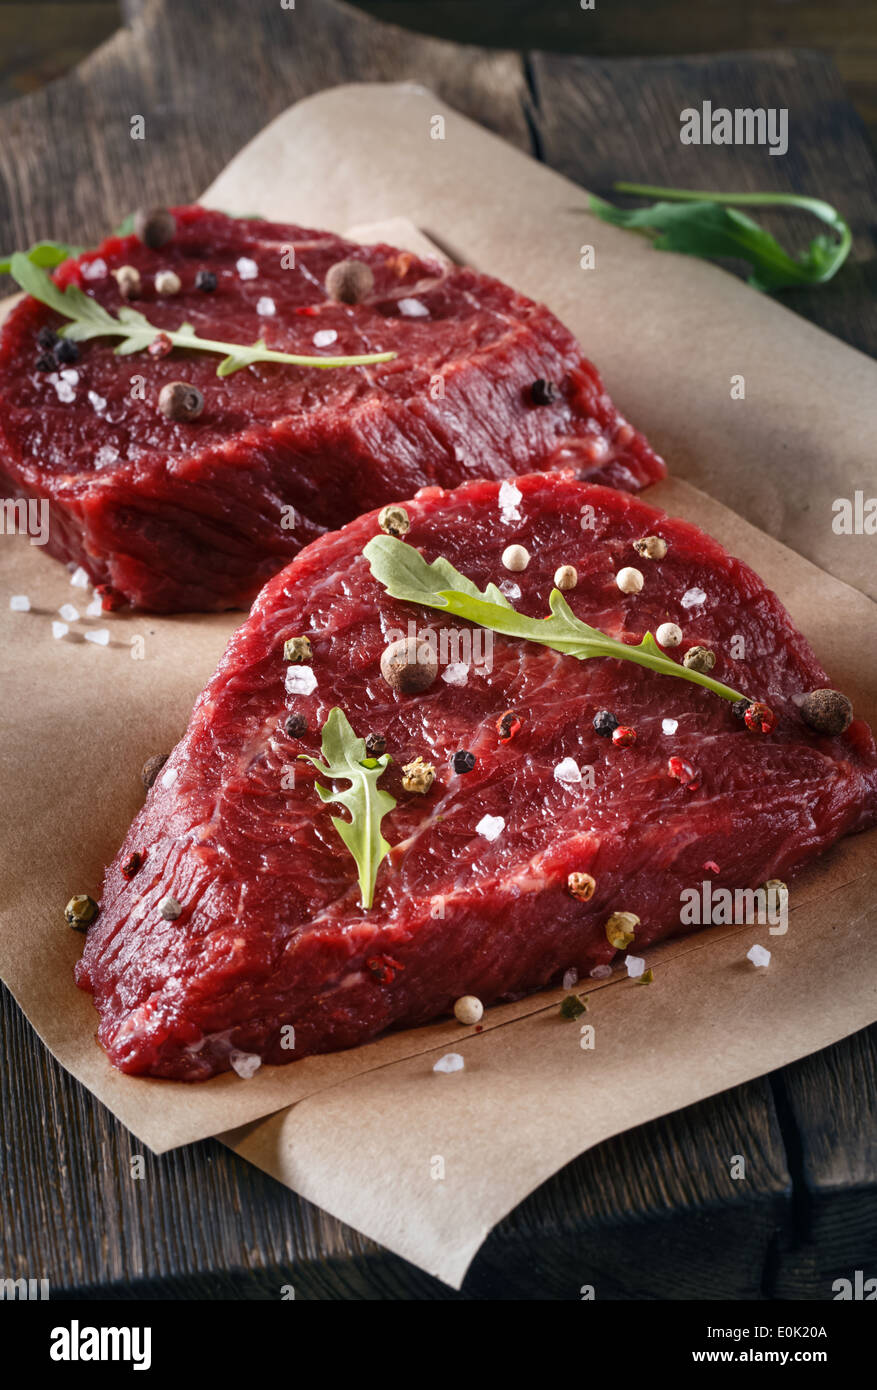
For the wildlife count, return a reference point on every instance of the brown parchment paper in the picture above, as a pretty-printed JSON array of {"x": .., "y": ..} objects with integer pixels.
[{"x": 355, "y": 1132}]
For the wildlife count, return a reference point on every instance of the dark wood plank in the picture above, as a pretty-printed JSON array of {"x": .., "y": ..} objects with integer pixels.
[{"x": 600, "y": 122}]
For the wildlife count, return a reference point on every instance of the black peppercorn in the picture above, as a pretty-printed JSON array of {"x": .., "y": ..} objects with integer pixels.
[
  {"x": 296, "y": 725},
  {"x": 205, "y": 280},
  {"x": 543, "y": 392},
  {"x": 605, "y": 723},
  {"x": 45, "y": 363},
  {"x": 66, "y": 351},
  {"x": 375, "y": 746},
  {"x": 154, "y": 226},
  {"x": 178, "y": 400},
  {"x": 739, "y": 708},
  {"x": 464, "y": 761},
  {"x": 47, "y": 337}
]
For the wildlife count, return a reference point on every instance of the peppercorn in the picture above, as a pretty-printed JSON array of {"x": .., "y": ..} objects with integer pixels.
[
  {"x": 463, "y": 762},
  {"x": 384, "y": 968},
  {"x": 605, "y": 723},
  {"x": 516, "y": 558},
  {"x": 827, "y": 711},
  {"x": 581, "y": 885},
  {"x": 739, "y": 708},
  {"x": 178, "y": 400},
  {"x": 66, "y": 351},
  {"x": 669, "y": 635},
  {"x": 760, "y": 719},
  {"x": 170, "y": 909},
  {"x": 130, "y": 868},
  {"x": 623, "y": 736},
  {"x": 296, "y": 725},
  {"x": 297, "y": 649},
  {"x": 620, "y": 929},
  {"x": 168, "y": 282},
  {"x": 418, "y": 776},
  {"x": 699, "y": 659},
  {"x": 508, "y": 725},
  {"x": 375, "y": 746},
  {"x": 684, "y": 773},
  {"x": 468, "y": 1010},
  {"x": 651, "y": 547},
  {"x": 394, "y": 520},
  {"x": 80, "y": 912},
  {"x": 566, "y": 577},
  {"x": 349, "y": 282},
  {"x": 154, "y": 226},
  {"x": 629, "y": 580},
  {"x": 127, "y": 277},
  {"x": 47, "y": 338},
  {"x": 160, "y": 346},
  {"x": 45, "y": 363},
  {"x": 543, "y": 392},
  {"x": 409, "y": 665},
  {"x": 152, "y": 767},
  {"x": 205, "y": 280}
]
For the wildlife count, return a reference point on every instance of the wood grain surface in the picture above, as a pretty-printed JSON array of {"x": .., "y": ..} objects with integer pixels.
[{"x": 654, "y": 1213}]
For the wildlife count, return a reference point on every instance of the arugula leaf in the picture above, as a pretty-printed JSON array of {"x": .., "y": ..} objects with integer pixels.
[
  {"x": 89, "y": 319},
  {"x": 344, "y": 756},
  {"x": 43, "y": 253},
  {"x": 406, "y": 575},
  {"x": 702, "y": 224}
]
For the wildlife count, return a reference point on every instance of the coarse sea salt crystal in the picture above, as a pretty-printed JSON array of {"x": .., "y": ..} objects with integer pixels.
[
  {"x": 601, "y": 972},
  {"x": 71, "y": 375},
  {"x": 106, "y": 455},
  {"x": 758, "y": 955},
  {"x": 79, "y": 578},
  {"x": 669, "y": 726},
  {"x": 635, "y": 966},
  {"x": 413, "y": 309},
  {"x": 509, "y": 498},
  {"x": 64, "y": 391},
  {"x": 68, "y": 612},
  {"x": 95, "y": 608},
  {"x": 97, "y": 403},
  {"x": 100, "y": 636},
  {"x": 568, "y": 771},
  {"x": 246, "y": 269},
  {"x": 266, "y": 306},
  {"x": 246, "y": 1064},
  {"x": 456, "y": 673},
  {"x": 94, "y": 270},
  {"x": 169, "y": 777},
  {"x": 509, "y": 588},
  {"x": 300, "y": 680},
  {"x": 19, "y": 603},
  {"x": 570, "y": 978},
  {"x": 692, "y": 597},
  {"x": 325, "y": 337},
  {"x": 59, "y": 630},
  {"x": 491, "y": 827},
  {"x": 452, "y": 1061}
]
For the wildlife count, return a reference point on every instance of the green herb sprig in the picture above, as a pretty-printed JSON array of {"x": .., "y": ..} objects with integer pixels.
[
  {"x": 47, "y": 254},
  {"x": 344, "y": 756},
  {"x": 407, "y": 576},
  {"x": 89, "y": 319},
  {"x": 704, "y": 224}
]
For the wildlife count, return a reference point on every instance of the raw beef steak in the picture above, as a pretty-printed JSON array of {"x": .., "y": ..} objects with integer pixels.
[
  {"x": 196, "y": 515},
  {"x": 474, "y": 897}
]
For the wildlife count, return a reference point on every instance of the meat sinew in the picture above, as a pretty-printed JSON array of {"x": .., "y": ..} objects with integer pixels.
[
  {"x": 196, "y": 515},
  {"x": 474, "y": 898}
]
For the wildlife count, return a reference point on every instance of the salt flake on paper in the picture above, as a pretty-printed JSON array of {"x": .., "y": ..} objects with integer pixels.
[
  {"x": 452, "y": 1061},
  {"x": 79, "y": 578},
  {"x": 100, "y": 636},
  {"x": 59, "y": 630},
  {"x": 635, "y": 966},
  {"x": 68, "y": 612},
  {"x": 19, "y": 603},
  {"x": 758, "y": 955}
]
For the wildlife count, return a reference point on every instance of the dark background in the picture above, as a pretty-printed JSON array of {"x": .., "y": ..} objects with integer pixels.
[{"x": 40, "y": 41}]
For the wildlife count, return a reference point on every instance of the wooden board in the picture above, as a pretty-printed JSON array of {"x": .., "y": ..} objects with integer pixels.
[{"x": 654, "y": 1213}]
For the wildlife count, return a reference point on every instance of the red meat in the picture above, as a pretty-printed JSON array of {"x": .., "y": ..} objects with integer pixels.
[
  {"x": 271, "y": 933},
  {"x": 196, "y": 516}
]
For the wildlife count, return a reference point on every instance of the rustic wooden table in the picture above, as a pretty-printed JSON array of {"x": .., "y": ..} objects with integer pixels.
[{"x": 651, "y": 1214}]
